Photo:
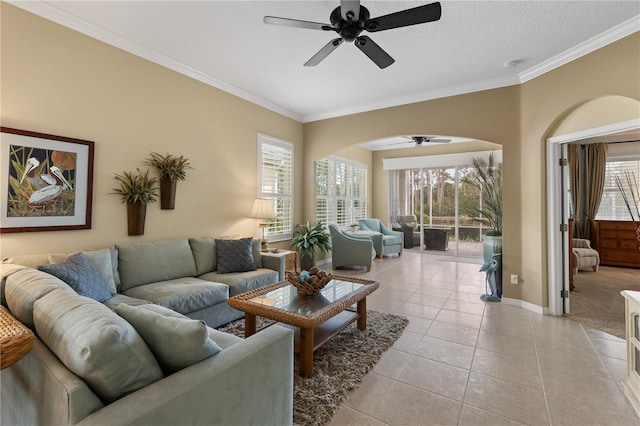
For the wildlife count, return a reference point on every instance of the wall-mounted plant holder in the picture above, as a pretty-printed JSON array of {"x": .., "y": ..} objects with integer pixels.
[
  {"x": 168, "y": 193},
  {"x": 136, "y": 215},
  {"x": 172, "y": 169},
  {"x": 137, "y": 190}
]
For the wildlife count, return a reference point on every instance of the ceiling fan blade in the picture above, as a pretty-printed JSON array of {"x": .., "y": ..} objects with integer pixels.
[
  {"x": 324, "y": 52},
  {"x": 404, "y": 18},
  {"x": 352, "y": 6},
  {"x": 436, "y": 140},
  {"x": 374, "y": 52},
  {"x": 273, "y": 20}
]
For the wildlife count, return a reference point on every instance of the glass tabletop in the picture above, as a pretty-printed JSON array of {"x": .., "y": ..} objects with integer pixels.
[{"x": 286, "y": 298}]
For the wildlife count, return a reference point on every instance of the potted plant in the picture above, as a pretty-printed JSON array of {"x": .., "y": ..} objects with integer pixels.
[
  {"x": 172, "y": 169},
  {"x": 307, "y": 239},
  {"x": 487, "y": 177},
  {"x": 136, "y": 189}
]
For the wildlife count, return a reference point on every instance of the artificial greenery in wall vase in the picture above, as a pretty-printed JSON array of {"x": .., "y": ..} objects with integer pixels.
[
  {"x": 137, "y": 189},
  {"x": 172, "y": 169}
]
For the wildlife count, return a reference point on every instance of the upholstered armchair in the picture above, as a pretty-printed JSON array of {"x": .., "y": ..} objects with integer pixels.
[
  {"x": 584, "y": 255},
  {"x": 391, "y": 241},
  {"x": 347, "y": 250}
]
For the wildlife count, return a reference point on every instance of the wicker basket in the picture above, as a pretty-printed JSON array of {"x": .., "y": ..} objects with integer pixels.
[
  {"x": 16, "y": 340},
  {"x": 317, "y": 280}
]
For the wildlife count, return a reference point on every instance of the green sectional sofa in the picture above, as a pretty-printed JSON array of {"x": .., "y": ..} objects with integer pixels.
[{"x": 148, "y": 353}]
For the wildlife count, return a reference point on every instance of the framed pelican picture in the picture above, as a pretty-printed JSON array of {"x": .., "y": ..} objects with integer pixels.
[{"x": 46, "y": 181}]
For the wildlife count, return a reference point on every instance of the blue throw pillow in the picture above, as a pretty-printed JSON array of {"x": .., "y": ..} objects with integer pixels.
[
  {"x": 235, "y": 255},
  {"x": 81, "y": 276}
]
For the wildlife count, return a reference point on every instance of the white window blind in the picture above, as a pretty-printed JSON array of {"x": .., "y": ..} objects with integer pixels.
[
  {"x": 341, "y": 191},
  {"x": 275, "y": 181},
  {"x": 612, "y": 204}
]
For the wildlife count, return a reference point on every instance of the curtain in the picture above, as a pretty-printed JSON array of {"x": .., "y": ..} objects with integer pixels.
[
  {"x": 576, "y": 199},
  {"x": 595, "y": 161}
]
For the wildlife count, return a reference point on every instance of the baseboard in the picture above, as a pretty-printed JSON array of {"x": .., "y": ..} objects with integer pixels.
[{"x": 543, "y": 310}]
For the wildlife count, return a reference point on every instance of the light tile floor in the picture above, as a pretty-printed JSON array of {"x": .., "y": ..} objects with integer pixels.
[{"x": 461, "y": 361}]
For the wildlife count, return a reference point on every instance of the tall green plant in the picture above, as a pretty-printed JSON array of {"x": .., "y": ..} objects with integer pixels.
[
  {"x": 309, "y": 237},
  {"x": 487, "y": 177}
]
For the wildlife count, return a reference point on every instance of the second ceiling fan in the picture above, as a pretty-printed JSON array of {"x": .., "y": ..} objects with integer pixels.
[
  {"x": 350, "y": 19},
  {"x": 422, "y": 140}
]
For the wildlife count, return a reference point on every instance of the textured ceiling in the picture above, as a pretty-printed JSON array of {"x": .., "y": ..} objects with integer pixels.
[{"x": 226, "y": 44}]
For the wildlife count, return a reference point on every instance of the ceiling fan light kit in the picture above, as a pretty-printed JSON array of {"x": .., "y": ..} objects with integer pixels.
[{"x": 350, "y": 19}]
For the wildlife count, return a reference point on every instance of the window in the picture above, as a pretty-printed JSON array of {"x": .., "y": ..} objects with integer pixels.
[
  {"x": 341, "y": 191},
  {"x": 275, "y": 181},
  {"x": 612, "y": 204}
]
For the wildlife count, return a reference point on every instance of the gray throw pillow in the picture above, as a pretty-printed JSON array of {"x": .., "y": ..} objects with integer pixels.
[
  {"x": 176, "y": 342},
  {"x": 81, "y": 276},
  {"x": 100, "y": 259},
  {"x": 235, "y": 255}
]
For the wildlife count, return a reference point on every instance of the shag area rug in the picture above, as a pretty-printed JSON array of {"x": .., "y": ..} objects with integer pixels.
[
  {"x": 596, "y": 301},
  {"x": 339, "y": 365}
]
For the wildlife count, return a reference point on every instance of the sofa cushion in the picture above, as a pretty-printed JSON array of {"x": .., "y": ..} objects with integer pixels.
[
  {"x": 27, "y": 285},
  {"x": 390, "y": 240},
  {"x": 100, "y": 259},
  {"x": 144, "y": 263},
  {"x": 30, "y": 260},
  {"x": 95, "y": 344},
  {"x": 204, "y": 254},
  {"x": 224, "y": 340},
  {"x": 81, "y": 276},
  {"x": 235, "y": 255},
  {"x": 241, "y": 282},
  {"x": 119, "y": 299},
  {"x": 35, "y": 260},
  {"x": 176, "y": 342},
  {"x": 183, "y": 295},
  {"x": 206, "y": 258}
]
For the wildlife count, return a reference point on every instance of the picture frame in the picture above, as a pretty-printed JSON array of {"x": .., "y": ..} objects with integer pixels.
[{"x": 46, "y": 181}]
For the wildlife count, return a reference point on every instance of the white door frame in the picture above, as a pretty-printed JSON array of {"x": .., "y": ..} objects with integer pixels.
[{"x": 555, "y": 254}]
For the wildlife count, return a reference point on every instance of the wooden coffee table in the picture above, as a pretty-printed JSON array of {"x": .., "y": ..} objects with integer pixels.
[{"x": 314, "y": 319}]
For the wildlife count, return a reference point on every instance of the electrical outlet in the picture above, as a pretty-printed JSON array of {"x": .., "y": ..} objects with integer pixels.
[{"x": 514, "y": 279}]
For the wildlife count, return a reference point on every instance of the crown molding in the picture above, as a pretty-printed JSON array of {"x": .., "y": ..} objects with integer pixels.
[
  {"x": 52, "y": 13},
  {"x": 419, "y": 97},
  {"x": 594, "y": 43}
]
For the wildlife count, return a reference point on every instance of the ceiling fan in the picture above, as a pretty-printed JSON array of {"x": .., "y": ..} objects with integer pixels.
[
  {"x": 350, "y": 19},
  {"x": 419, "y": 140}
]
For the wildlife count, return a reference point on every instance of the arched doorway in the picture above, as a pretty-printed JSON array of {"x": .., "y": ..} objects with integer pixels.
[{"x": 605, "y": 119}]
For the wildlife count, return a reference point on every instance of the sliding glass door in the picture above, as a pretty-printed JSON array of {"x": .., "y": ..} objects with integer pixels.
[{"x": 446, "y": 208}]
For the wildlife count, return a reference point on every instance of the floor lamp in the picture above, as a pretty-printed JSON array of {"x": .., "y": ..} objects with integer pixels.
[{"x": 263, "y": 209}]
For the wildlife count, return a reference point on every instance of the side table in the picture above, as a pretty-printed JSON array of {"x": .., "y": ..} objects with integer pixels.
[
  {"x": 16, "y": 340},
  {"x": 290, "y": 258}
]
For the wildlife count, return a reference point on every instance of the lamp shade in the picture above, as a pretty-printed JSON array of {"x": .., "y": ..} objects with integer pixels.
[{"x": 263, "y": 209}]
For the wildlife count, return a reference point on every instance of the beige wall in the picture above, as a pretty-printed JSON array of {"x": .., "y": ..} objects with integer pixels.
[
  {"x": 519, "y": 118},
  {"x": 57, "y": 81},
  {"x": 546, "y": 101}
]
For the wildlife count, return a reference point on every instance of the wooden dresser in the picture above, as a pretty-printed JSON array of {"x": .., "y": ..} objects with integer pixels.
[{"x": 616, "y": 242}]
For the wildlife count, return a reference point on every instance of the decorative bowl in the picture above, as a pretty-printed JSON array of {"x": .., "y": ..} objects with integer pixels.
[{"x": 309, "y": 283}]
